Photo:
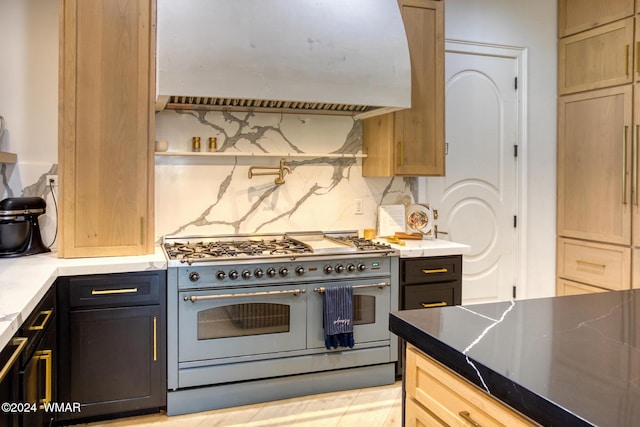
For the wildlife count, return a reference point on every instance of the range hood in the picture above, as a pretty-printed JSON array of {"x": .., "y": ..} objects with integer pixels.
[{"x": 305, "y": 56}]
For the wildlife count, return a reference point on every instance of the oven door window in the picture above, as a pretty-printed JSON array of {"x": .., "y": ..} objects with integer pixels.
[
  {"x": 238, "y": 320},
  {"x": 364, "y": 309},
  {"x": 222, "y": 323}
]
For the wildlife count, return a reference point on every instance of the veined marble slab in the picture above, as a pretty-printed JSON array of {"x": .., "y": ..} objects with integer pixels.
[{"x": 428, "y": 248}]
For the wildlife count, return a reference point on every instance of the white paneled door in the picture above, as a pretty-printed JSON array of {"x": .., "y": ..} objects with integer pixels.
[{"x": 477, "y": 199}]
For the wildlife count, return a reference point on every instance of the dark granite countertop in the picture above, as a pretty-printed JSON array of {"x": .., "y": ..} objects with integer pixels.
[{"x": 562, "y": 361}]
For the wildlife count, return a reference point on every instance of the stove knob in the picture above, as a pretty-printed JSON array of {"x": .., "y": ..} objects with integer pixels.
[
  {"x": 328, "y": 269},
  {"x": 362, "y": 267},
  {"x": 258, "y": 273},
  {"x": 339, "y": 268},
  {"x": 233, "y": 275},
  {"x": 351, "y": 268},
  {"x": 284, "y": 271},
  {"x": 194, "y": 276},
  {"x": 271, "y": 271},
  {"x": 220, "y": 275},
  {"x": 299, "y": 270},
  {"x": 246, "y": 274}
]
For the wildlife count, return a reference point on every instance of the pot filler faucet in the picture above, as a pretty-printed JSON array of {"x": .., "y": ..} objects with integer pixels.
[{"x": 275, "y": 170}]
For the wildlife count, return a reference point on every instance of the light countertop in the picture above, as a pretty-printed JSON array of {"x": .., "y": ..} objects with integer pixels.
[
  {"x": 428, "y": 248},
  {"x": 25, "y": 280}
]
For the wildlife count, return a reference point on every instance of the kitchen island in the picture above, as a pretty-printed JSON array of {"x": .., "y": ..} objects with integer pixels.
[{"x": 562, "y": 361}]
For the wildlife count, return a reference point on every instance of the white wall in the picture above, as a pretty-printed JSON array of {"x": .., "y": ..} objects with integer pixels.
[{"x": 532, "y": 25}]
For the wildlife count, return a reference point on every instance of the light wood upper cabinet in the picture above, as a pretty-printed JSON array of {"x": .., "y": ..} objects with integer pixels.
[
  {"x": 411, "y": 142},
  {"x": 106, "y": 126},
  {"x": 579, "y": 15},
  {"x": 596, "y": 58},
  {"x": 636, "y": 53},
  {"x": 635, "y": 176},
  {"x": 594, "y": 165}
]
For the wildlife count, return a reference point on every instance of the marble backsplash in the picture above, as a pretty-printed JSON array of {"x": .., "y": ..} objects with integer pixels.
[{"x": 213, "y": 194}]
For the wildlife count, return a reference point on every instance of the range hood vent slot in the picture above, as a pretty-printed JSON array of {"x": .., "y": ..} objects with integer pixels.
[{"x": 294, "y": 56}]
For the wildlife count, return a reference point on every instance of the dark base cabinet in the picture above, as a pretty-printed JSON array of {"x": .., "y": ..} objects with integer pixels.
[
  {"x": 10, "y": 379},
  {"x": 426, "y": 283},
  {"x": 113, "y": 344}
]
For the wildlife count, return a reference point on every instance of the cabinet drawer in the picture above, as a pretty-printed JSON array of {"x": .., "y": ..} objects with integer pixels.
[
  {"x": 568, "y": 287},
  {"x": 605, "y": 266},
  {"x": 431, "y": 269},
  {"x": 416, "y": 415},
  {"x": 115, "y": 289},
  {"x": 451, "y": 398}
]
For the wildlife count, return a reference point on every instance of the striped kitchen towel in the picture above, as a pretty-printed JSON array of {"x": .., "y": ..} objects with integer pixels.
[{"x": 338, "y": 317}]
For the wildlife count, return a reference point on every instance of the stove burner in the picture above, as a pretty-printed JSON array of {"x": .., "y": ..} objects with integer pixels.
[{"x": 231, "y": 247}]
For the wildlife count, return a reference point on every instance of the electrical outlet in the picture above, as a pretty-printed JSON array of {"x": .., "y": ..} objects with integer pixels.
[
  {"x": 52, "y": 180},
  {"x": 359, "y": 207}
]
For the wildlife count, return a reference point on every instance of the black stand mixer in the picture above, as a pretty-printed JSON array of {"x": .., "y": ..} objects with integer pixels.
[{"x": 19, "y": 228}]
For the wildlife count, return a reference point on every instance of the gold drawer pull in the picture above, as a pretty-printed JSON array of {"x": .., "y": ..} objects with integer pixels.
[
  {"x": 114, "y": 291},
  {"x": 626, "y": 62},
  {"x": 592, "y": 264},
  {"x": 155, "y": 339},
  {"x": 47, "y": 316},
  {"x": 433, "y": 304},
  {"x": 467, "y": 418},
  {"x": 437, "y": 270},
  {"x": 19, "y": 343}
]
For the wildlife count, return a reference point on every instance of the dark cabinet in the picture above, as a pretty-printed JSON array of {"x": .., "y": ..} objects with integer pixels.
[
  {"x": 10, "y": 379},
  {"x": 38, "y": 368},
  {"x": 430, "y": 282},
  {"x": 113, "y": 343}
]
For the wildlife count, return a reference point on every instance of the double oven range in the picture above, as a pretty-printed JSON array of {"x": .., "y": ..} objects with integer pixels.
[{"x": 245, "y": 317}]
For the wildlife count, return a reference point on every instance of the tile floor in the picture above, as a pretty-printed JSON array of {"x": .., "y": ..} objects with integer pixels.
[{"x": 368, "y": 407}]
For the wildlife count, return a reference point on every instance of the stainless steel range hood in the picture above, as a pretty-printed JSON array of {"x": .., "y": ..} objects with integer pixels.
[{"x": 306, "y": 56}]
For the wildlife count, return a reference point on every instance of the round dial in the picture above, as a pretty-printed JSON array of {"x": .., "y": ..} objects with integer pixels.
[
  {"x": 339, "y": 268},
  {"x": 258, "y": 273},
  {"x": 233, "y": 275},
  {"x": 246, "y": 274},
  {"x": 299, "y": 270},
  {"x": 351, "y": 268},
  {"x": 194, "y": 276},
  {"x": 271, "y": 271},
  {"x": 362, "y": 267},
  {"x": 284, "y": 271},
  {"x": 220, "y": 275},
  {"x": 328, "y": 269}
]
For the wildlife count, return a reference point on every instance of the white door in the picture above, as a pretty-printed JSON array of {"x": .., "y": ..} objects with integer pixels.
[{"x": 477, "y": 200}]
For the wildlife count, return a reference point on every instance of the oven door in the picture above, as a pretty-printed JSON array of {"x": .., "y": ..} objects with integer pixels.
[
  {"x": 371, "y": 306},
  {"x": 222, "y": 323}
]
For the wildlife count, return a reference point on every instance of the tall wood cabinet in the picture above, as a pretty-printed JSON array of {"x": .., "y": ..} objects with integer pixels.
[
  {"x": 106, "y": 126},
  {"x": 411, "y": 142},
  {"x": 598, "y": 219}
]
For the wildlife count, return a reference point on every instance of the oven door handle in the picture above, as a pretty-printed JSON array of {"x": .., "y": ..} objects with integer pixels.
[
  {"x": 380, "y": 285},
  {"x": 195, "y": 298}
]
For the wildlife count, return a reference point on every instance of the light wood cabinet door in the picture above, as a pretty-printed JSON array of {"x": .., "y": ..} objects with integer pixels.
[
  {"x": 594, "y": 165},
  {"x": 106, "y": 127},
  {"x": 579, "y": 15},
  {"x": 635, "y": 176},
  {"x": 636, "y": 51},
  {"x": 411, "y": 142},
  {"x": 597, "y": 58}
]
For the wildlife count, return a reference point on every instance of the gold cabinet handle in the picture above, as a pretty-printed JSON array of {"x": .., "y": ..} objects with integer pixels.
[
  {"x": 638, "y": 57},
  {"x": 634, "y": 166},
  {"x": 624, "y": 165},
  {"x": 592, "y": 264},
  {"x": 626, "y": 61},
  {"x": 434, "y": 271},
  {"x": 400, "y": 153},
  {"x": 113, "y": 291},
  {"x": 46, "y": 356},
  {"x": 467, "y": 417},
  {"x": 433, "y": 304},
  {"x": 47, "y": 315},
  {"x": 20, "y": 343},
  {"x": 155, "y": 338}
]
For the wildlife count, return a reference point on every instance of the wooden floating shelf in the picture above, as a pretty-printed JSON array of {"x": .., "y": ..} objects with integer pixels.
[
  {"x": 232, "y": 154},
  {"x": 8, "y": 157}
]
